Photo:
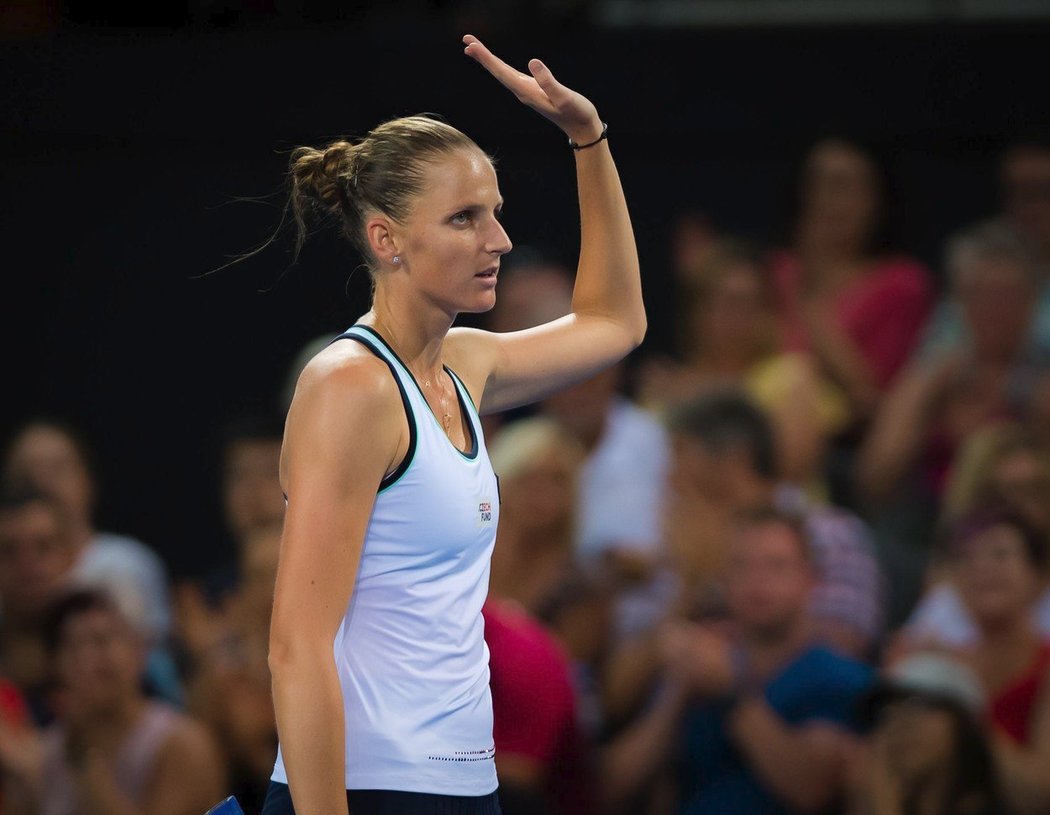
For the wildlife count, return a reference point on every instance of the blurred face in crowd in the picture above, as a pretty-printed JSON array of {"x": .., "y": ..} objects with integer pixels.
[
  {"x": 841, "y": 197},
  {"x": 997, "y": 297},
  {"x": 35, "y": 557},
  {"x": 530, "y": 296},
  {"x": 734, "y": 314},
  {"x": 996, "y": 578},
  {"x": 697, "y": 472},
  {"x": 918, "y": 736},
  {"x": 259, "y": 557},
  {"x": 251, "y": 485},
  {"x": 50, "y": 460},
  {"x": 583, "y": 408},
  {"x": 542, "y": 496},
  {"x": 768, "y": 579},
  {"x": 1026, "y": 193},
  {"x": 99, "y": 661},
  {"x": 1021, "y": 479}
]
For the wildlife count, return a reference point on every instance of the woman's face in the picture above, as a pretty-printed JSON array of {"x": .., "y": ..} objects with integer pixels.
[
  {"x": 735, "y": 314},
  {"x": 99, "y": 660},
  {"x": 541, "y": 496},
  {"x": 916, "y": 737},
  {"x": 996, "y": 579},
  {"x": 840, "y": 196},
  {"x": 47, "y": 458},
  {"x": 451, "y": 241},
  {"x": 997, "y": 298},
  {"x": 1021, "y": 479}
]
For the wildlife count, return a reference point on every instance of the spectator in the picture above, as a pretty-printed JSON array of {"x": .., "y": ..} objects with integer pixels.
[
  {"x": 725, "y": 460},
  {"x": 844, "y": 295},
  {"x": 537, "y": 461},
  {"x": 724, "y": 463},
  {"x": 229, "y": 688},
  {"x": 729, "y": 335},
  {"x": 543, "y": 758},
  {"x": 902, "y": 465},
  {"x": 111, "y": 748},
  {"x": 1024, "y": 199},
  {"x": 36, "y": 563},
  {"x": 943, "y": 397},
  {"x": 768, "y": 711},
  {"x": 1000, "y": 566},
  {"x": 927, "y": 751},
  {"x": 622, "y": 477},
  {"x": 252, "y": 499},
  {"x": 54, "y": 457},
  {"x": 1000, "y": 463}
]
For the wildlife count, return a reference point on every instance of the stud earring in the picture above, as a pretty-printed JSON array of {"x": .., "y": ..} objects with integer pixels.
[{"x": 397, "y": 259}]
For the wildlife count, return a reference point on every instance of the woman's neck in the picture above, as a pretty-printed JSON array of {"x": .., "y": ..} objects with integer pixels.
[{"x": 415, "y": 331}]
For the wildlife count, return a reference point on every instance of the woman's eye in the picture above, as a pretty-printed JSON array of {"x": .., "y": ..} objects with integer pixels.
[{"x": 461, "y": 218}]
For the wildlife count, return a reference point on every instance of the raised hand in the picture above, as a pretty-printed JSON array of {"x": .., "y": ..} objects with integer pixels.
[{"x": 569, "y": 110}]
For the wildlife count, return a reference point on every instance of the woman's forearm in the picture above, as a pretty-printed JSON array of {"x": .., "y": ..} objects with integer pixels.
[
  {"x": 308, "y": 704},
  {"x": 608, "y": 281}
]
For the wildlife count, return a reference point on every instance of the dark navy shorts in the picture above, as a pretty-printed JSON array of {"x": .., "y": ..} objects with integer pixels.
[{"x": 390, "y": 802}]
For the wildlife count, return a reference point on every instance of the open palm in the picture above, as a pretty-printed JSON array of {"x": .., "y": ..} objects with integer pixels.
[{"x": 569, "y": 110}]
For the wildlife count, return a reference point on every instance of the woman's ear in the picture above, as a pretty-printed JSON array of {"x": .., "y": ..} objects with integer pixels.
[{"x": 382, "y": 240}]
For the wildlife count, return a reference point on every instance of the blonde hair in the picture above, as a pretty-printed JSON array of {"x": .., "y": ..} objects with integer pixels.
[
  {"x": 970, "y": 481},
  {"x": 521, "y": 443},
  {"x": 383, "y": 173}
]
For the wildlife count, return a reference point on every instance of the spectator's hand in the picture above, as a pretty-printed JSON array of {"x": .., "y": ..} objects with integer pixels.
[
  {"x": 700, "y": 656},
  {"x": 882, "y": 786},
  {"x": 569, "y": 110},
  {"x": 21, "y": 753}
]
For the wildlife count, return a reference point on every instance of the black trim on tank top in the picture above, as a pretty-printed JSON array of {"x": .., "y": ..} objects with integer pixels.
[
  {"x": 390, "y": 479},
  {"x": 460, "y": 389}
]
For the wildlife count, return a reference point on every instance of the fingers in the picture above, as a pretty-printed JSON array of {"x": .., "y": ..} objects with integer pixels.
[
  {"x": 475, "y": 49},
  {"x": 544, "y": 78}
]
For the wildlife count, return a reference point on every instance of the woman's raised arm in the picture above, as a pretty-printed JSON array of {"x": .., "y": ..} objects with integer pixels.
[{"x": 608, "y": 316}]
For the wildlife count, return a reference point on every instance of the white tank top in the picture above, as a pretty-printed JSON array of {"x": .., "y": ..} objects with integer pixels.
[{"x": 410, "y": 652}]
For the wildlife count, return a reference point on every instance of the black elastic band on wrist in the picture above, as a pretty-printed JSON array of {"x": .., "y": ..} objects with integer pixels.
[{"x": 603, "y": 137}]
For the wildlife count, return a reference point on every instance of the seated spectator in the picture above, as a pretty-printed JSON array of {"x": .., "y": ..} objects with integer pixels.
[
  {"x": 1024, "y": 201},
  {"x": 538, "y": 462},
  {"x": 543, "y": 758},
  {"x": 111, "y": 748},
  {"x": 249, "y": 453},
  {"x": 927, "y": 751},
  {"x": 622, "y": 476},
  {"x": 36, "y": 563},
  {"x": 1003, "y": 463},
  {"x": 844, "y": 296},
  {"x": 1000, "y": 563},
  {"x": 229, "y": 689},
  {"x": 579, "y": 612},
  {"x": 54, "y": 457},
  {"x": 729, "y": 336},
  {"x": 941, "y": 398},
  {"x": 753, "y": 714},
  {"x": 725, "y": 462}
]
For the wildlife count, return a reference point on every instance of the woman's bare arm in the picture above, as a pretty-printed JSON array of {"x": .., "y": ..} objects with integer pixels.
[
  {"x": 343, "y": 431},
  {"x": 608, "y": 316}
]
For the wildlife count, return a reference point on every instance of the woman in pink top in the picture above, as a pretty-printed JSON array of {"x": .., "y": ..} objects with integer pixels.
[{"x": 855, "y": 306}]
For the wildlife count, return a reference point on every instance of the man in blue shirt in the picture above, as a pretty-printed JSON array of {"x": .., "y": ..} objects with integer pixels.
[{"x": 759, "y": 711}]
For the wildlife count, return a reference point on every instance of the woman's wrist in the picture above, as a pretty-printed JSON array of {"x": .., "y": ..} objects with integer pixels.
[{"x": 586, "y": 134}]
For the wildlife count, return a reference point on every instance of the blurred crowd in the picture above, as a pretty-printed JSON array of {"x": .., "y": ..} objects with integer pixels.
[{"x": 797, "y": 563}]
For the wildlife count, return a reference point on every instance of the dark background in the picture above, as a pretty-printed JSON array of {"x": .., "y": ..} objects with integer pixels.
[{"x": 141, "y": 152}]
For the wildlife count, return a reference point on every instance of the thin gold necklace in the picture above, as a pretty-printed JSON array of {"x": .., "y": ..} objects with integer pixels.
[{"x": 446, "y": 417}]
